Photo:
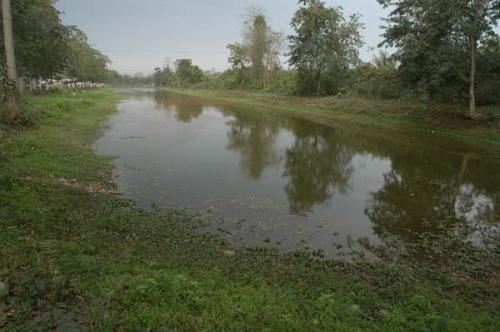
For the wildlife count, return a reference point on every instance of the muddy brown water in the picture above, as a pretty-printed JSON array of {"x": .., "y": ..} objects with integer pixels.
[{"x": 268, "y": 179}]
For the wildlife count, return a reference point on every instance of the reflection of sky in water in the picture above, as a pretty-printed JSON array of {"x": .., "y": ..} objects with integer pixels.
[
  {"x": 478, "y": 212},
  {"x": 289, "y": 182}
]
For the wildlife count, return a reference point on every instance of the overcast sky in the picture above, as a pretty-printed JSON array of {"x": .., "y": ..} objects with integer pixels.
[{"x": 138, "y": 35}]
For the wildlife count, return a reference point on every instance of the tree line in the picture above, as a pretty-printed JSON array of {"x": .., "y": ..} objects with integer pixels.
[
  {"x": 444, "y": 50},
  {"x": 46, "y": 48},
  {"x": 39, "y": 46}
]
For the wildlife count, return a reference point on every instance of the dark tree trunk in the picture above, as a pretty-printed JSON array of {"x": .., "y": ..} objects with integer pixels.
[
  {"x": 318, "y": 84},
  {"x": 473, "y": 50},
  {"x": 472, "y": 80},
  {"x": 9, "y": 41},
  {"x": 11, "y": 106}
]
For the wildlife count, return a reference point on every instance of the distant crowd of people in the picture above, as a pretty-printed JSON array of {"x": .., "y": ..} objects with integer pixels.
[{"x": 53, "y": 84}]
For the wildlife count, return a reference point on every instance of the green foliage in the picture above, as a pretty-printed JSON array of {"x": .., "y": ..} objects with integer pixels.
[
  {"x": 45, "y": 48},
  {"x": 325, "y": 45},
  {"x": 115, "y": 78},
  {"x": 239, "y": 76},
  {"x": 377, "y": 79},
  {"x": 211, "y": 80},
  {"x": 255, "y": 61},
  {"x": 284, "y": 83},
  {"x": 237, "y": 56},
  {"x": 488, "y": 87},
  {"x": 434, "y": 40},
  {"x": 84, "y": 62},
  {"x": 40, "y": 38},
  {"x": 184, "y": 75},
  {"x": 431, "y": 61},
  {"x": 164, "y": 77},
  {"x": 256, "y": 43}
]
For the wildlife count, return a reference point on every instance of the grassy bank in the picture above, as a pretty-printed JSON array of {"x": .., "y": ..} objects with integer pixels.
[
  {"x": 440, "y": 119},
  {"x": 73, "y": 255}
]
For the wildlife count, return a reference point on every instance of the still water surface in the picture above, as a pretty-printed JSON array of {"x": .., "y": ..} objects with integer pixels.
[{"x": 275, "y": 180}]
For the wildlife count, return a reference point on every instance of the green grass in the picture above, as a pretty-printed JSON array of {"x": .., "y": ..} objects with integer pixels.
[
  {"x": 76, "y": 258},
  {"x": 400, "y": 115}
]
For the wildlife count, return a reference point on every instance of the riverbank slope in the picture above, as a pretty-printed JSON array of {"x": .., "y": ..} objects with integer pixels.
[
  {"x": 439, "y": 119},
  {"x": 76, "y": 255}
]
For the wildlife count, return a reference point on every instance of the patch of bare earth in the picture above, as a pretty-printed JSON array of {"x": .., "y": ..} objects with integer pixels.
[{"x": 91, "y": 187}]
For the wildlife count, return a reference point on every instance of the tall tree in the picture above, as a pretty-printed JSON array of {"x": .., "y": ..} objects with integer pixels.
[
  {"x": 256, "y": 58},
  {"x": 480, "y": 17},
  {"x": 325, "y": 45},
  {"x": 40, "y": 47},
  {"x": 237, "y": 56},
  {"x": 11, "y": 106},
  {"x": 9, "y": 41},
  {"x": 436, "y": 42},
  {"x": 186, "y": 73},
  {"x": 83, "y": 61},
  {"x": 239, "y": 74},
  {"x": 164, "y": 76},
  {"x": 256, "y": 40}
]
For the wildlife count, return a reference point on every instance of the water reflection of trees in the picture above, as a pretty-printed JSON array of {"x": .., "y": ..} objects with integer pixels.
[
  {"x": 423, "y": 195},
  {"x": 186, "y": 108},
  {"x": 253, "y": 137},
  {"x": 318, "y": 165},
  {"x": 407, "y": 205},
  {"x": 420, "y": 193},
  {"x": 429, "y": 188}
]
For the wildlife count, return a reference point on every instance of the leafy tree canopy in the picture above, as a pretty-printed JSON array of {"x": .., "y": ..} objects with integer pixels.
[
  {"x": 324, "y": 46},
  {"x": 436, "y": 41}
]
